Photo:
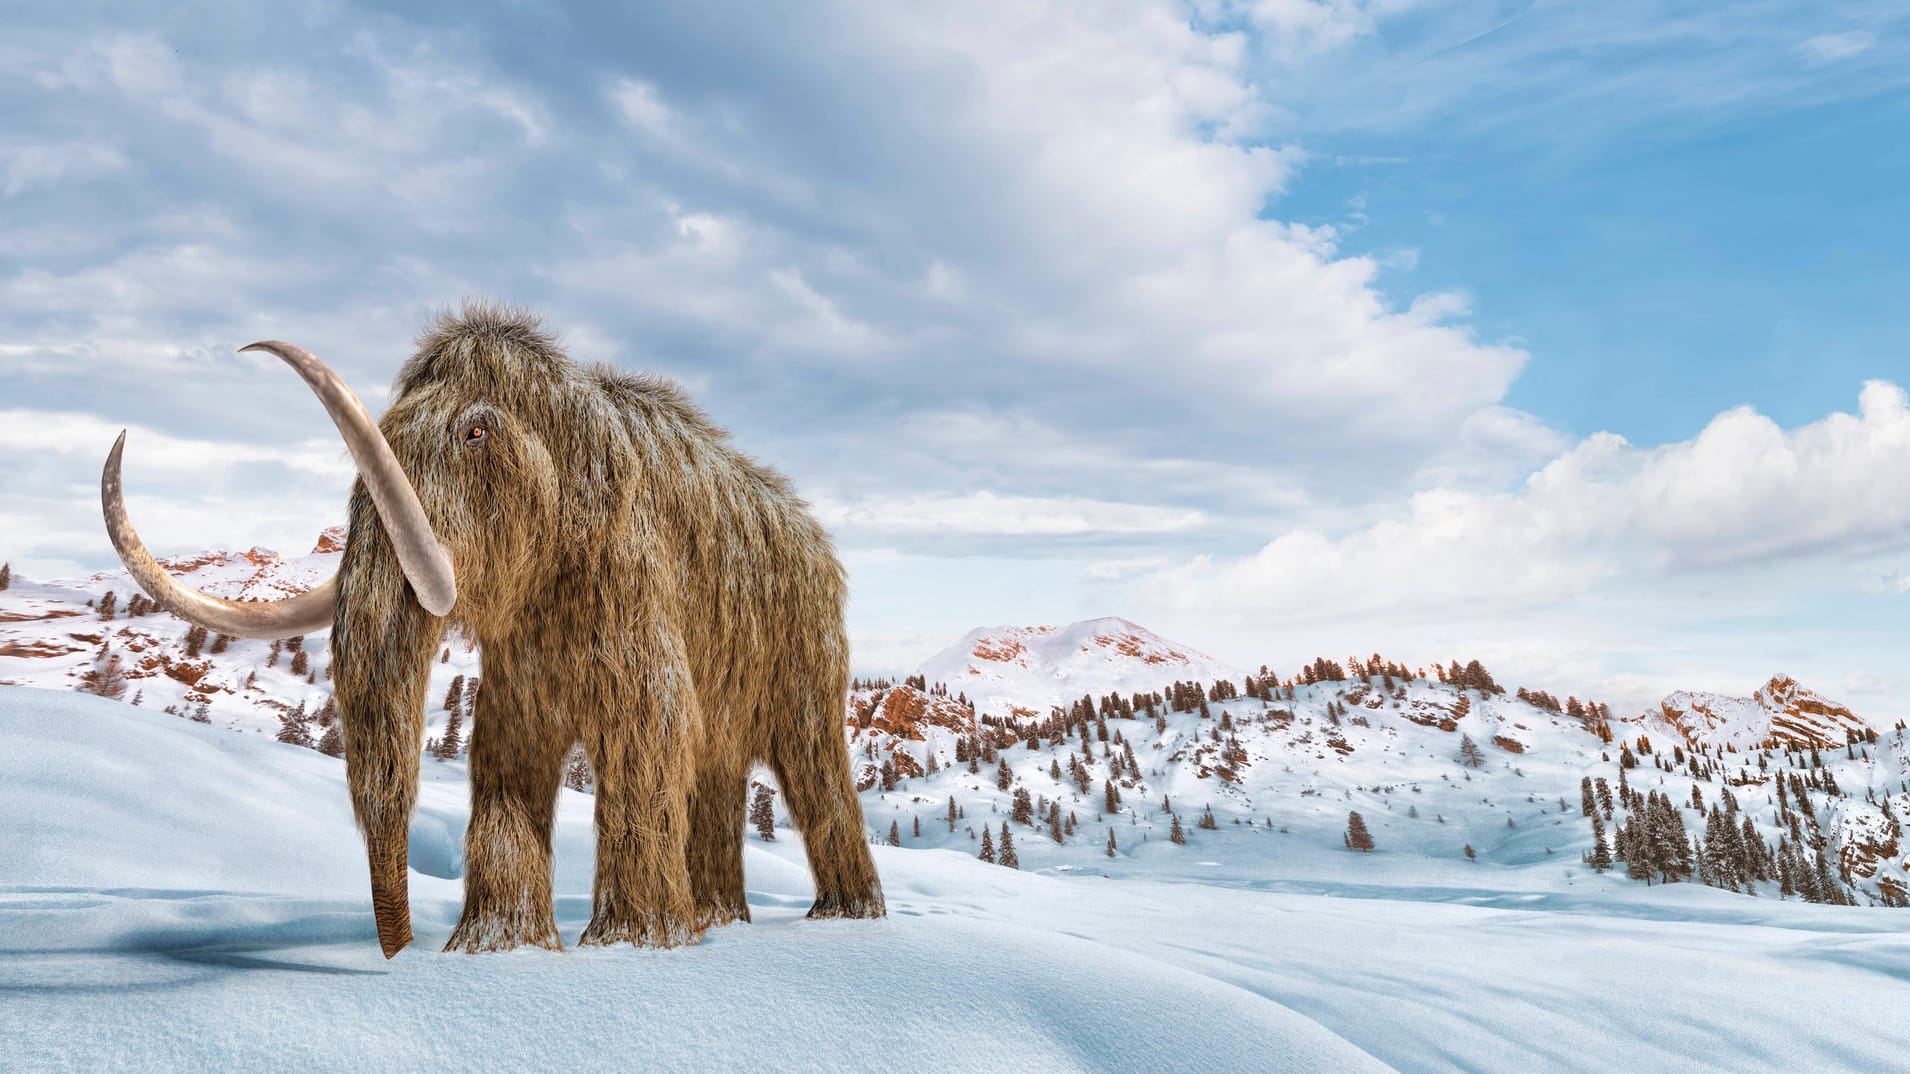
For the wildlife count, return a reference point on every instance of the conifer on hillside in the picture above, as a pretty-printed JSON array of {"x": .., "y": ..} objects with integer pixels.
[
  {"x": 1469, "y": 753},
  {"x": 332, "y": 742},
  {"x": 292, "y": 728},
  {"x": 1008, "y": 856},
  {"x": 1357, "y": 837},
  {"x": 106, "y": 678},
  {"x": 762, "y": 812}
]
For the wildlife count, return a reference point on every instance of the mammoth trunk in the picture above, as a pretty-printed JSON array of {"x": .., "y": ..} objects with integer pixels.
[{"x": 383, "y": 642}]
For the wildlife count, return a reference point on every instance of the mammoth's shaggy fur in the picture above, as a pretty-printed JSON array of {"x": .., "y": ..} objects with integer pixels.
[{"x": 636, "y": 584}]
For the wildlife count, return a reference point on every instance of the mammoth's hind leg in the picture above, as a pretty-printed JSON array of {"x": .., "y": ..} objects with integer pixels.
[
  {"x": 516, "y": 768},
  {"x": 811, "y": 761},
  {"x": 715, "y": 849}
]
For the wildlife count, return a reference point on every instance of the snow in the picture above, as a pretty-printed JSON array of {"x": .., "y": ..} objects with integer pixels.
[{"x": 180, "y": 897}]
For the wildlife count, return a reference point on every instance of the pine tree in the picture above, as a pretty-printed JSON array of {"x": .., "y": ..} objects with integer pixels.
[
  {"x": 895, "y": 834},
  {"x": 451, "y": 743},
  {"x": 988, "y": 845},
  {"x": 332, "y": 743},
  {"x": 1176, "y": 834},
  {"x": 1207, "y": 820},
  {"x": 1110, "y": 797},
  {"x": 577, "y": 770},
  {"x": 219, "y": 643},
  {"x": 1586, "y": 801},
  {"x": 105, "y": 678},
  {"x": 301, "y": 663},
  {"x": 1357, "y": 837},
  {"x": 454, "y": 695},
  {"x": 1469, "y": 753},
  {"x": 1601, "y": 854},
  {"x": 107, "y": 604},
  {"x": 292, "y": 729},
  {"x": 195, "y": 641},
  {"x": 1004, "y": 778},
  {"x": 762, "y": 813},
  {"x": 951, "y": 813},
  {"x": 1471, "y": 854},
  {"x": 277, "y": 648},
  {"x": 1008, "y": 856},
  {"x": 6, "y": 575},
  {"x": 1023, "y": 811},
  {"x": 1110, "y": 842}
]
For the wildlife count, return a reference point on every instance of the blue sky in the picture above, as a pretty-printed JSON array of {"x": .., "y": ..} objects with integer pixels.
[{"x": 1564, "y": 336}]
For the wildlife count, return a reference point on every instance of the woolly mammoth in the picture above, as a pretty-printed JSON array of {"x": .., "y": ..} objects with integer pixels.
[{"x": 636, "y": 585}]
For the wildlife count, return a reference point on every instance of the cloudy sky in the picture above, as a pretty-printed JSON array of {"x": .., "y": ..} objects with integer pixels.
[{"x": 1569, "y": 337}]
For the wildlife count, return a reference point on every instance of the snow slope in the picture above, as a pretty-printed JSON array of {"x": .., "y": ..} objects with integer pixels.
[
  {"x": 176, "y": 897},
  {"x": 49, "y": 636},
  {"x": 1005, "y": 668}
]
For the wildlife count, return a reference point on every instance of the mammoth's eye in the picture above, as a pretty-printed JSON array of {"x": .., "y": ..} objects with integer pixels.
[{"x": 475, "y": 433}]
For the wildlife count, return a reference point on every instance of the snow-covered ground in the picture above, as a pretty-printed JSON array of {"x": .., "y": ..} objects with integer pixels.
[{"x": 176, "y": 896}]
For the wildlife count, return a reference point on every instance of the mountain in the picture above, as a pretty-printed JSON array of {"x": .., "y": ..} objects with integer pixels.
[
  {"x": 51, "y": 634},
  {"x": 1246, "y": 766},
  {"x": 1781, "y": 715},
  {"x": 1028, "y": 669}
]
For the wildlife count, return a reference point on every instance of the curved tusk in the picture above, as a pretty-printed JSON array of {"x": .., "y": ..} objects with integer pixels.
[
  {"x": 426, "y": 562},
  {"x": 309, "y": 611}
]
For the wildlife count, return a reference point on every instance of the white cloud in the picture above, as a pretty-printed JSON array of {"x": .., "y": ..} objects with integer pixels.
[
  {"x": 990, "y": 514},
  {"x": 1744, "y": 490},
  {"x": 70, "y": 433},
  {"x": 24, "y": 166},
  {"x": 1829, "y": 48},
  {"x": 1869, "y": 683}
]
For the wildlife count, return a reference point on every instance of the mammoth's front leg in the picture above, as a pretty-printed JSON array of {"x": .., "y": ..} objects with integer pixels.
[
  {"x": 639, "y": 745},
  {"x": 516, "y": 766}
]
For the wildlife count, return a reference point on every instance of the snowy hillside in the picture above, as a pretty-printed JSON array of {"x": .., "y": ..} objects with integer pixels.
[
  {"x": 1028, "y": 669},
  {"x": 178, "y": 897},
  {"x": 53, "y": 633},
  {"x": 1447, "y": 775}
]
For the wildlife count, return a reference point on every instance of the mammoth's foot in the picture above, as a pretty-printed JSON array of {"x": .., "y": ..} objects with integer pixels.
[
  {"x": 713, "y": 913},
  {"x": 864, "y": 904},
  {"x": 501, "y": 931},
  {"x": 642, "y": 926}
]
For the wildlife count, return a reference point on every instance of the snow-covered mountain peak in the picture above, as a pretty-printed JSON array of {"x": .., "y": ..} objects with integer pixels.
[
  {"x": 1005, "y": 668},
  {"x": 1782, "y": 712}
]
